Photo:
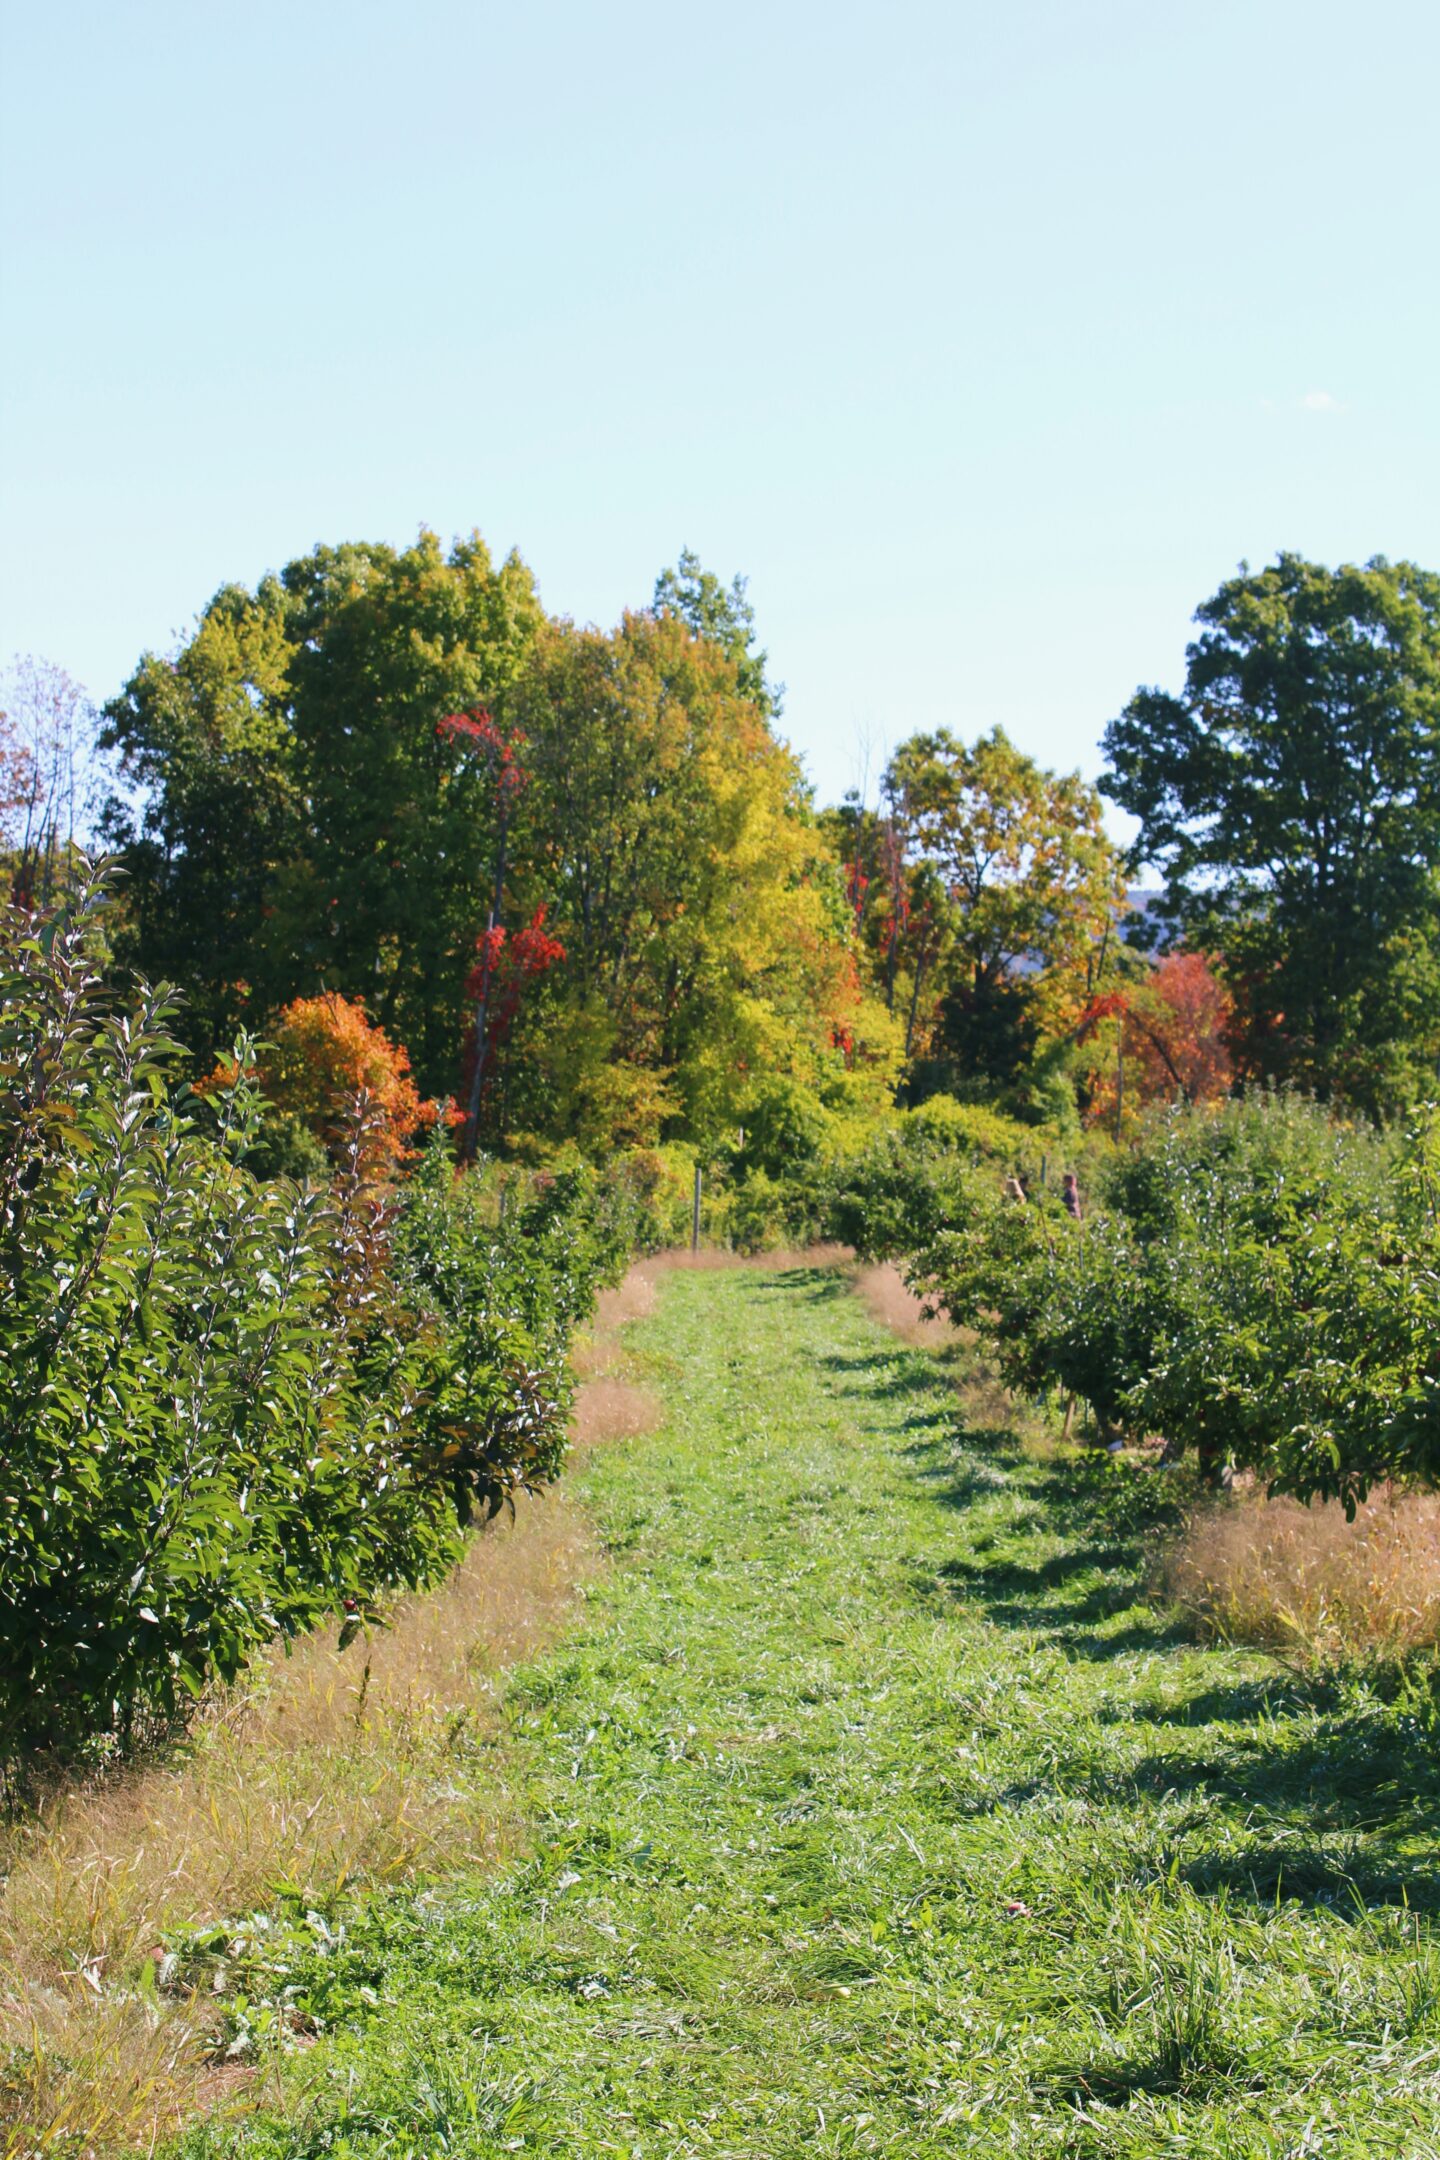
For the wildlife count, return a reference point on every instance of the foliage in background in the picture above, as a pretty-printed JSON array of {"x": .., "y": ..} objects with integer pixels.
[
  {"x": 924, "y": 1171},
  {"x": 1291, "y": 795},
  {"x": 313, "y": 823},
  {"x": 301, "y": 815},
  {"x": 706, "y": 940},
  {"x": 303, "y": 827},
  {"x": 987, "y": 902}
]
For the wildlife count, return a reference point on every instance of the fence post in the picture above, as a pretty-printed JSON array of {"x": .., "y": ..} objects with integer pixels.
[{"x": 695, "y": 1214}]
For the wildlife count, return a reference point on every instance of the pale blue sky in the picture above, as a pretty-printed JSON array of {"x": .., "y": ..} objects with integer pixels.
[{"x": 986, "y": 340}]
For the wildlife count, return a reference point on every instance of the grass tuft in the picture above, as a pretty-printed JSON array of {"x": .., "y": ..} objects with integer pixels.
[{"x": 1328, "y": 1594}]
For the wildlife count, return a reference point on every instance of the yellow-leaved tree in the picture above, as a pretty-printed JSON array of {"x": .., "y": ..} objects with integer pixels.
[{"x": 708, "y": 944}]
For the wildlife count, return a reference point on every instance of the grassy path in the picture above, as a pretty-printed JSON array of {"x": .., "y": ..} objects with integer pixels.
[{"x": 873, "y": 1814}]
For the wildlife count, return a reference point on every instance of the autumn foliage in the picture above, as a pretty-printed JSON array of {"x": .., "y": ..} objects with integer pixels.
[
  {"x": 1178, "y": 1031},
  {"x": 478, "y": 730},
  {"x": 505, "y": 965},
  {"x": 324, "y": 1052},
  {"x": 1169, "y": 1035}
]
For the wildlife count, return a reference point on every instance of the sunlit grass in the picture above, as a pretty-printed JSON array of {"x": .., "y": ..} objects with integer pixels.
[{"x": 873, "y": 1808}]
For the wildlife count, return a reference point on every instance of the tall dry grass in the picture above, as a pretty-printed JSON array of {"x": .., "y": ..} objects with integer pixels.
[
  {"x": 1325, "y": 1593},
  {"x": 320, "y": 1770},
  {"x": 888, "y": 1299}
]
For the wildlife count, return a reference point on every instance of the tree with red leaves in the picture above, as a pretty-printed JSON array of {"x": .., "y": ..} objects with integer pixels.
[
  {"x": 505, "y": 966},
  {"x": 479, "y": 732},
  {"x": 1179, "y": 1030},
  {"x": 1173, "y": 1038}
]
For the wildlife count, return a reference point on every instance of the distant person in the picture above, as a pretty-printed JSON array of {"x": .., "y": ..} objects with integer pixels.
[
  {"x": 1014, "y": 1190},
  {"x": 1070, "y": 1195}
]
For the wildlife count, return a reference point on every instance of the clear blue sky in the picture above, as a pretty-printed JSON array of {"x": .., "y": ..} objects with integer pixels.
[{"x": 985, "y": 339}]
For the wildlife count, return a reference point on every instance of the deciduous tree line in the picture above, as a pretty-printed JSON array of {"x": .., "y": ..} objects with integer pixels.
[{"x": 577, "y": 875}]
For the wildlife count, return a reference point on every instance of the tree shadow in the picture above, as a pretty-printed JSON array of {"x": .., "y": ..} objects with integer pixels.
[
  {"x": 1302, "y": 1790},
  {"x": 1350, "y": 1880},
  {"x": 820, "y": 1284},
  {"x": 1239, "y": 1703},
  {"x": 901, "y": 1373}
]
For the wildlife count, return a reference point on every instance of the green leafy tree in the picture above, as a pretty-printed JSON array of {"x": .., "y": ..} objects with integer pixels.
[
  {"x": 304, "y": 826},
  {"x": 723, "y": 615},
  {"x": 402, "y": 825},
  {"x": 706, "y": 937},
  {"x": 1291, "y": 796},
  {"x": 1032, "y": 885},
  {"x": 206, "y": 742}
]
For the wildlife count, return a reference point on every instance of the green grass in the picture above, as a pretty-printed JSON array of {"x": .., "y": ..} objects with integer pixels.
[{"x": 875, "y": 1811}]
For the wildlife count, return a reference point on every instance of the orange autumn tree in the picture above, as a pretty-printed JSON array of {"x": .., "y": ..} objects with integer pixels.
[
  {"x": 1164, "y": 1039},
  {"x": 323, "y": 1053},
  {"x": 1178, "y": 1030}
]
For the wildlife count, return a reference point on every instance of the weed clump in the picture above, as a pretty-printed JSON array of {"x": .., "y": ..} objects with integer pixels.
[{"x": 1327, "y": 1593}]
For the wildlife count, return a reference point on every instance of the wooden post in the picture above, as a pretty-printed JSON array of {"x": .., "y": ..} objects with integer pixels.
[{"x": 695, "y": 1214}]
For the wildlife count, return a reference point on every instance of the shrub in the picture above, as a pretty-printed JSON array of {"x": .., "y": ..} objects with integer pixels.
[
  {"x": 766, "y": 1214},
  {"x": 1259, "y": 1283},
  {"x": 190, "y": 1460},
  {"x": 985, "y": 1133},
  {"x": 231, "y": 1408},
  {"x": 916, "y": 1176},
  {"x": 786, "y": 1128},
  {"x": 647, "y": 1194}
]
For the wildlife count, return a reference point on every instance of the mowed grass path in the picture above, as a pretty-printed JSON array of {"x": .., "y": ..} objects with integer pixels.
[{"x": 872, "y": 1811}]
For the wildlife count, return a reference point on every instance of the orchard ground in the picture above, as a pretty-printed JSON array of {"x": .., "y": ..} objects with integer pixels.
[{"x": 871, "y": 1806}]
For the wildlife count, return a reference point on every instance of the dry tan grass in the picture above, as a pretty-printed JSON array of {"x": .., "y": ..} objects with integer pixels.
[
  {"x": 888, "y": 1299},
  {"x": 1305, "y": 1582},
  {"x": 322, "y": 1768},
  {"x": 607, "y": 1408},
  {"x": 633, "y": 1298}
]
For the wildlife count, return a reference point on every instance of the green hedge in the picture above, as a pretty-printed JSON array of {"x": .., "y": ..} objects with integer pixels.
[
  {"x": 1259, "y": 1282},
  {"x": 231, "y": 1408}
]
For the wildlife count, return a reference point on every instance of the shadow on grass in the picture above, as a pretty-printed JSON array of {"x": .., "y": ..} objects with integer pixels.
[
  {"x": 1312, "y": 1793},
  {"x": 1195, "y": 2073},
  {"x": 1357, "y": 1877},
  {"x": 1240, "y": 1703},
  {"x": 818, "y": 1283},
  {"x": 900, "y": 1374}
]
